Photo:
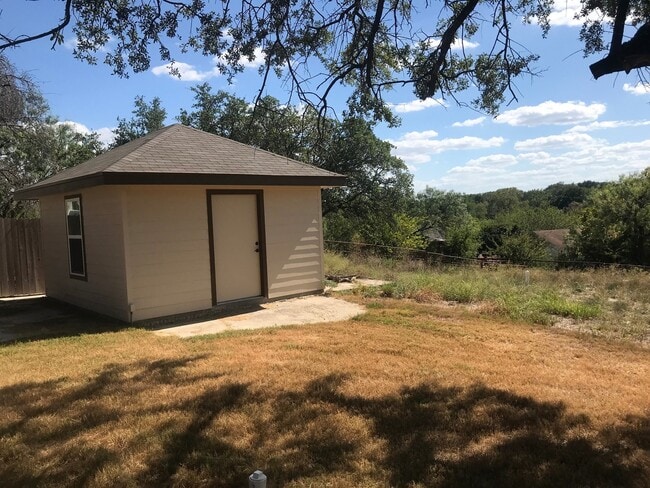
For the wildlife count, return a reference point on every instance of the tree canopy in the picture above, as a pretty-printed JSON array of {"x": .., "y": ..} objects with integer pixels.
[
  {"x": 147, "y": 117},
  {"x": 370, "y": 45},
  {"x": 614, "y": 225},
  {"x": 33, "y": 145}
]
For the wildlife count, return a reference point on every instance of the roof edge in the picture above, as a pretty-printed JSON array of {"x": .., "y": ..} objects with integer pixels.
[
  {"x": 33, "y": 193},
  {"x": 112, "y": 178}
]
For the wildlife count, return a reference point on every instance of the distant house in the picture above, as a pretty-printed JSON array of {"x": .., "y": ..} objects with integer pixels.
[
  {"x": 178, "y": 221},
  {"x": 433, "y": 235},
  {"x": 554, "y": 238}
]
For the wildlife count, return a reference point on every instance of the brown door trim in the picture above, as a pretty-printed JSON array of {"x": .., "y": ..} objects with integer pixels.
[{"x": 261, "y": 232}]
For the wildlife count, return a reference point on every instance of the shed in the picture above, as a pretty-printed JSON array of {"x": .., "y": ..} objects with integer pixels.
[{"x": 181, "y": 220}]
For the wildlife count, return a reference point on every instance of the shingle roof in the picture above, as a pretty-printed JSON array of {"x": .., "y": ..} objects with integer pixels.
[
  {"x": 556, "y": 238},
  {"x": 178, "y": 154}
]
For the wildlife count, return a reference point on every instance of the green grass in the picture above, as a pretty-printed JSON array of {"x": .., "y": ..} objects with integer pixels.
[{"x": 606, "y": 302}]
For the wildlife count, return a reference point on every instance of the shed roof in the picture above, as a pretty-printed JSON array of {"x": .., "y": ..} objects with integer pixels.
[
  {"x": 556, "y": 238},
  {"x": 181, "y": 155}
]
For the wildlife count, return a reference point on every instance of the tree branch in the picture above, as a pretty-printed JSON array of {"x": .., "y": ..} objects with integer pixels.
[
  {"x": 630, "y": 55},
  {"x": 446, "y": 41},
  {"x": 51, "y": 32},
  {"x": 619, "y": 25}
]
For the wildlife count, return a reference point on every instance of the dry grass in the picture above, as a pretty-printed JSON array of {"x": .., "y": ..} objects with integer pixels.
[{"x": 407, "y": 395}]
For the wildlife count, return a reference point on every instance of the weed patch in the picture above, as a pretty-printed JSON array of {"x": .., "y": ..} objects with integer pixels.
[{"x": 612, "y": 303}]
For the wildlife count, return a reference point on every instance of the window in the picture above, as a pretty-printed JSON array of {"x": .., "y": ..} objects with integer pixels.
[{"x": 74, "y": 226}]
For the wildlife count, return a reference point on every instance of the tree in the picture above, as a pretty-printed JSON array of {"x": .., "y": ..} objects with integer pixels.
[
  {"x": 269, "y": 125},
  {"x": 615, "y": 14},
  {"x": 379, "y": 184},
  {"x": 33, "y": 146},
  {"x": 20, "y": 101},
  {"x": 222, "y": 113},
  {"x": 147, "y": 117},
  {"x": 370, "y": 45},
  {"x": 614, "y": 224},
  {"x": 522, "y": 248},
  {"x": 499, "y": 201},
  {"x": 447, "y": 213},
  {"x": 34, "y": 153}
]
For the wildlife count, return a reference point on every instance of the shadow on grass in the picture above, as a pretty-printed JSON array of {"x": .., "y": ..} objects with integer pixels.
[{"x": 173, "y": 423}]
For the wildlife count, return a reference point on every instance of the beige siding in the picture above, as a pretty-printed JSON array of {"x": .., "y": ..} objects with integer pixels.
[
  {"x": 167, "y": 250},
  {"x": 293, "y": 240},
  {"x": 104, "y": 291},
  {"x": 147, "y": 247}
]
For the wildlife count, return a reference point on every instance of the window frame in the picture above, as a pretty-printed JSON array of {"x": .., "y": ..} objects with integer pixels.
[{"x": 79, "y": 237}]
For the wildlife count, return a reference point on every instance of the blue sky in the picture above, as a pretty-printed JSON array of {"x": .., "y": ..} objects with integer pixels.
[{"x": 566, "y": 126}]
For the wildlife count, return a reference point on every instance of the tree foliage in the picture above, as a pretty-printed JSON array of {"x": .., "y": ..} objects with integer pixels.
[
  {"x": 20, "y": 101},
  {"x": 605, "y": 31},
  {"x": 33, "y": 146},
  {"x": 445, "y": 215},
  {"x": 614, "y": 224},
  {"x": 147, "y": 117},
  {"x": 370, "y": 45}
]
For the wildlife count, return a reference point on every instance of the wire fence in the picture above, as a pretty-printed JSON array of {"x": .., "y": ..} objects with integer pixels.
[{"x": 361, "y": 249}]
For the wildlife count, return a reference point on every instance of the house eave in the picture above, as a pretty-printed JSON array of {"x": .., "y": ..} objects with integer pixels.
[{"x": 124, "y": 178}]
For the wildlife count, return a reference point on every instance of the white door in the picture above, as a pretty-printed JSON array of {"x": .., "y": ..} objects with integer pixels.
[{"x": 236, "y": 246}]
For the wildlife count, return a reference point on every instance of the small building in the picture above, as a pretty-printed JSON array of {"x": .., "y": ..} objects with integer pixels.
[
  {"x": 555, "y": 240},
  {"x": 181, "y": 220}
]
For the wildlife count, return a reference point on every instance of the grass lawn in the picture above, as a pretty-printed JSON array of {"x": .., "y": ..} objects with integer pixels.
[{"x": 410, "y": 394}]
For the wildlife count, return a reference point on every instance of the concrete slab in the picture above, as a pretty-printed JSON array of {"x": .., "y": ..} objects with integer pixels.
[
  {"x": 37, "y": 317},
  {"x": 295, "y": 311}
]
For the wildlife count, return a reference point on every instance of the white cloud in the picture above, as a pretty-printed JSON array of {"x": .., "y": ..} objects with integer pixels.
[
  {"x": 609, "y": 124},
  {"x": 469, "y": 122},
  {"x": 188, "y": 72},
  {"x": 457, "y": 45},
  {"x": 185, "y": 71},
  {"x": 552, "y": 113},
  {"x": 568, "y": 140},
  {"x": 71, "y": 43},
  {"x": 258, "y": 59},
  {"x": 638, "y": 89},
  {"x": 413, "y": 157},
  {"x": 418, "y": 147},
  {"x": 105, "y": 134},
  {"x": 493, "y": 161},
  {"x": 534, "y": 156},
  {"x": 594, "y": 159},
  {"x": 566, "y": 13},
  {"x": 416, "y": 105},
  {"x": 419, "y": 135}
]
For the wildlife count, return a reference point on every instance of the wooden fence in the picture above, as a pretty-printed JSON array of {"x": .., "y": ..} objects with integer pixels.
[{"x": 21, "y": 272}]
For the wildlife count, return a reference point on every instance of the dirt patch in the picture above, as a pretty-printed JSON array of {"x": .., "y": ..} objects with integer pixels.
[{"x": 355, "y": 283}]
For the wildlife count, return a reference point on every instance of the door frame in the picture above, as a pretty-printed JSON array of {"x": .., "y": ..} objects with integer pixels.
[{"x": 261, "y": 232}]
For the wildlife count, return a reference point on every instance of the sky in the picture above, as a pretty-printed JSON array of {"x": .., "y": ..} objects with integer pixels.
[{"x": 564, "y": 127}]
